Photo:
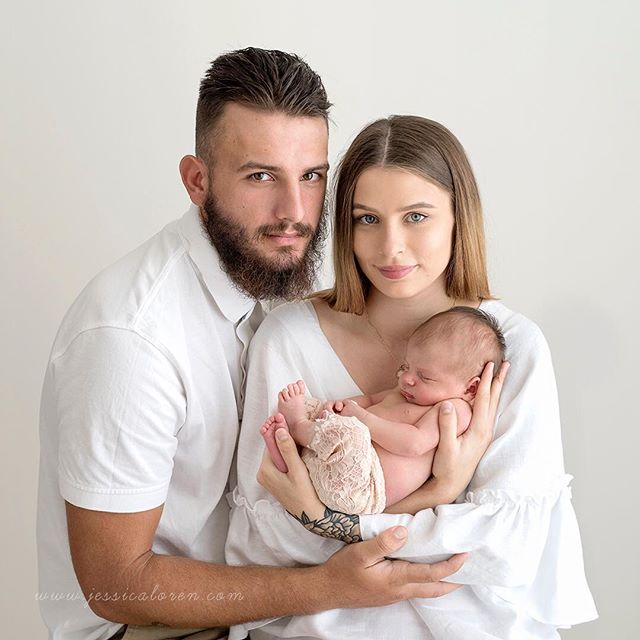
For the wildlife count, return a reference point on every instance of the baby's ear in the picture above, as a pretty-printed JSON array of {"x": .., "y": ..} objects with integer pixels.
[{"x": 472, "y": 389}]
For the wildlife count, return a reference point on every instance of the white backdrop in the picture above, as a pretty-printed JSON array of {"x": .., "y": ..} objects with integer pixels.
[{"x": 98, "y": 104}]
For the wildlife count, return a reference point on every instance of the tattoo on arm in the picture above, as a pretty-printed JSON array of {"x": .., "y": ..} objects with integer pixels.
[{"x": 334, "y": 524}]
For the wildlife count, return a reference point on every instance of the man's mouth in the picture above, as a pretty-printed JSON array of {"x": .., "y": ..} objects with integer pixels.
[{"x": 284, "y": 239}]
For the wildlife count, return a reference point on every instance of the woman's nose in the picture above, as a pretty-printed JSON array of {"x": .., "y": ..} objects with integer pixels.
[{"x": 392, "y": 244}]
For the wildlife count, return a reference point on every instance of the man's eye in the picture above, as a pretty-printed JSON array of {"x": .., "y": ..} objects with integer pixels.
[
  {"x": 367, "y": 219},
  {"x": 311, "y": 176},
  {"x": 416, "y": 217},
  {"x": 260, "y": 176}
]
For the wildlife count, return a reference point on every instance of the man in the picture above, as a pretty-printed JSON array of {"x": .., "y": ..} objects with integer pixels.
[{"x": 143, "y": 392}]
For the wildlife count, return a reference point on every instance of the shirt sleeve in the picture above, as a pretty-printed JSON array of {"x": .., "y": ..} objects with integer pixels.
[
  {"x": 119, "y": 404},
  {"x": 516, "y": 519}
]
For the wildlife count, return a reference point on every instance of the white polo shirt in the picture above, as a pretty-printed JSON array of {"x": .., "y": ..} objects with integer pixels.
[{"x": 141, "y": 407}]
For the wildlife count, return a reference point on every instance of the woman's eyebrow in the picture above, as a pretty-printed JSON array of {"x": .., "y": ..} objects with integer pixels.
[
  {"x": 418, "y": 205},
  {"x": 357, "y": 205},
  {"x": 415, "y": 205}
]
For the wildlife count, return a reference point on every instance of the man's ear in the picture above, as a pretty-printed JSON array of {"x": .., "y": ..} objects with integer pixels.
[
  {"x": 472, "y": 389},
  {"x": 195, "y": 178}
]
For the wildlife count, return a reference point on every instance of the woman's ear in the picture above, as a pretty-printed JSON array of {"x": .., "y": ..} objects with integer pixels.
[
  {"x": 472, "y": 389},
  {"x": 195, "y": 177}
]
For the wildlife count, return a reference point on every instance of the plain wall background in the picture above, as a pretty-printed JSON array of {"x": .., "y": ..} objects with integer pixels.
[{"x": 97, "y": 108}]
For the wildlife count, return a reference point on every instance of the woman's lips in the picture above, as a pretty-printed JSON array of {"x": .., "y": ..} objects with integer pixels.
[{"x": 396, "y": 272}]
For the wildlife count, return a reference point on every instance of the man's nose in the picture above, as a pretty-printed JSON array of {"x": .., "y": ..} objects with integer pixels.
[{"x": 290, "y": 206}]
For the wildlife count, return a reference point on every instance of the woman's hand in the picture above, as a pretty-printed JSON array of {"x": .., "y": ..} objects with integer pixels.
[
  {"x": 457, "y": 457},
  {"x": 296, "y": 494},
  {"x": 293, "y": 490}
]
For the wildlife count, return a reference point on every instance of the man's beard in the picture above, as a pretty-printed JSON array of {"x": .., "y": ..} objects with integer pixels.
[{"x": 281, "y": 276}]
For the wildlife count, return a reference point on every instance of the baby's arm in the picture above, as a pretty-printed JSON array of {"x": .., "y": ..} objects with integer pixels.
[
  {"x": 364, "y": 401},
  {"x": 406, "y": 439}
]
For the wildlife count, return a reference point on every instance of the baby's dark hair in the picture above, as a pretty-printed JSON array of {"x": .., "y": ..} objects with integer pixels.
[{"x": 476, "y": 334}]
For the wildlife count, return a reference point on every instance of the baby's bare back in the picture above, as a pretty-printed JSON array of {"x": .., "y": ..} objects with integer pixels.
[{"x": 402, "y": 474}]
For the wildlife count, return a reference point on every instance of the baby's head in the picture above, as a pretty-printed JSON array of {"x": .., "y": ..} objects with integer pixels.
[{"x": 447, "y": 354}]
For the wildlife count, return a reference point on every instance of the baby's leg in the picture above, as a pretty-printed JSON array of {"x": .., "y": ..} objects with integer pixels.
[
  {"x": 291, "y": 403},
  {"x": 343, "y": 466},
  {"x": 268, "y": 431}
]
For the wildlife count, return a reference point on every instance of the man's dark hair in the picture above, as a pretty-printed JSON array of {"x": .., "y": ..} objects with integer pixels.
[{"x": 264, "y": 79}]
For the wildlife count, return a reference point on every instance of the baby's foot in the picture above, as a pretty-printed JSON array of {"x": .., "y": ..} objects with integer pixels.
[
  {"x": 291, "y": 403},
  {"x": 293, "y": 406},
  {"x": 268, "y": 431}
]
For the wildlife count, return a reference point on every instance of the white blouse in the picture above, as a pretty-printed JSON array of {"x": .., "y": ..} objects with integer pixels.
[{"x": 524, "y": 577}]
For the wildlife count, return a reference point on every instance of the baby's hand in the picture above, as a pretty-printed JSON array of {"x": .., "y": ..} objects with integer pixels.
[
  {"x": 334, "y": 406},
  {"x": 351, "y": 408}
]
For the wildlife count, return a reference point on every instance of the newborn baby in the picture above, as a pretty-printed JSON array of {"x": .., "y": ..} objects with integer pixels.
[{"x": 368, "y": 452}]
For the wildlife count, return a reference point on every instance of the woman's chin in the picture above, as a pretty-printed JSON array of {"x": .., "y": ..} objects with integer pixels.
[{"x": 404, "y": 290}]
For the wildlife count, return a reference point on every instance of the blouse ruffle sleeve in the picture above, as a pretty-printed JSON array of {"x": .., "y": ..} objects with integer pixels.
[
  {"x": 525, "y": 574},
  {"x": 516, "y": 519}
]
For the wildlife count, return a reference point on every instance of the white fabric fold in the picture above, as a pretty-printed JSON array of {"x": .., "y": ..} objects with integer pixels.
[{"x": 524, "y": 577}]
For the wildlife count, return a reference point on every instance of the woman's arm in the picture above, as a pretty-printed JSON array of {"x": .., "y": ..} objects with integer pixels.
[
  {"x": 296, "y": 493},
  {"x": 516, "y": 520}
]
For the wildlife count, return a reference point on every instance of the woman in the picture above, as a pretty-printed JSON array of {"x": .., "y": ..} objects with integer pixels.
[{"x": 409, "y": 243}]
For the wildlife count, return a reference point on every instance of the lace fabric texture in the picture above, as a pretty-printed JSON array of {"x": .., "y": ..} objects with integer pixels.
[{"x": 343, "y": 465}]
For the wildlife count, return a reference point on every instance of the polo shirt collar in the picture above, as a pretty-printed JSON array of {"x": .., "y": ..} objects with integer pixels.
[{"x": 232, "y": 302}]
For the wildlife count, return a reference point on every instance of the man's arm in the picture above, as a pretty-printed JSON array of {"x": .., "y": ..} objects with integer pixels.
[{"x": 124, "y": 581}]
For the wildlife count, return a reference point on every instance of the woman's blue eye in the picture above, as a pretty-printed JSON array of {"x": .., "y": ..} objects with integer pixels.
[
  {"x": 367, "y": 218},
  {"x": 416, "y": 217}
]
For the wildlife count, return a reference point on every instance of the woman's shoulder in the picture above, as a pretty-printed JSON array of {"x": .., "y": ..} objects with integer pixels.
[{"x": 520, "y": 333}]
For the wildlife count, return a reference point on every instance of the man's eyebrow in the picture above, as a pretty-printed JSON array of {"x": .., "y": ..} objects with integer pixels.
[
  {"x": 415, "y": 205},
  {"x": 257, "y": 165},
  {"x": 320, "y": 167},
  {"x": 269, "y": 167}
]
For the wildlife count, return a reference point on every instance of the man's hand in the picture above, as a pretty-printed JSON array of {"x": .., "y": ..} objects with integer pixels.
[{"x": 362, "y": 572}]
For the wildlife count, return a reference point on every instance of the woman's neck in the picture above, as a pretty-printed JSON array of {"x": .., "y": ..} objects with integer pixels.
[{"x": 396, "y": 319}]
